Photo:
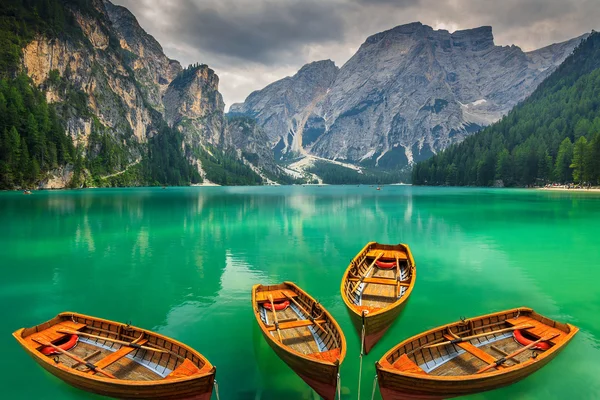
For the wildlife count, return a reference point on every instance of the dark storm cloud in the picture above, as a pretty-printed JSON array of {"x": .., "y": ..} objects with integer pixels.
[
  {"x": 396, "y": 3},
  {"x": 250, "y": 43},
  {"x": 261, "y": 33},
  {"x": 257, "y": 31}
]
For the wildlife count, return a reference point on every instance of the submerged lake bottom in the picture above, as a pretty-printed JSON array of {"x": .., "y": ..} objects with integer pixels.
[{"x": 182, "y": 262}]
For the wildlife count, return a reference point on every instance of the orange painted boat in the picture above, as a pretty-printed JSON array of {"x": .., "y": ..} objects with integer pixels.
[
  {"x": 374, "y": 293},
  {"x": 470, "y": 356},
  {"x": 304, "y": 335},
  {"x": 118, "y": 360}
]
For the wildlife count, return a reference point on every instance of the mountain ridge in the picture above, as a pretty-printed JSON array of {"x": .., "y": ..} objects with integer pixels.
[{"x": 406, "y": 94}]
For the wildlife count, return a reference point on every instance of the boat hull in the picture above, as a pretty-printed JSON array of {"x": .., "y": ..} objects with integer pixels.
[
  {"x": 377, "y": 323},
  {"x": 409, "y": 381},
  {"x": 198, "y": 387},
  {"x": 320, "y": 375},
  {"x": 397, "y": 387},
  {"x": 375, "y": 326},
  {"x": 321, "y": 378}
]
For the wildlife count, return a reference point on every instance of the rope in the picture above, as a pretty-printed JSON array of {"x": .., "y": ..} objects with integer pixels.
[
  {"x": 217, "y": 390},
  {"x": 362, "y": 348},
  {"x": 339, "y": 387},
  {"x": 374, "y": 386}
]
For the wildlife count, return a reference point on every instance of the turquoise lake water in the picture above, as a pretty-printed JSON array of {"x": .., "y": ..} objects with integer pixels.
[{"x": 181, "y": 261}]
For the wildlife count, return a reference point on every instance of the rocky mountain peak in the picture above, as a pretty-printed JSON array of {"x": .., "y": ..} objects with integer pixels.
[
  {"x": 476, "y": 38},
  {"x": 407, "y": 93},
  {"x": 313, "y": 69}
]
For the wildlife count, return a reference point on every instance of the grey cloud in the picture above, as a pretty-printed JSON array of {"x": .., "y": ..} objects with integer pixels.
[
  {"x": 395, "y": 3},
  {"x": 263, "y": 32},
  {"x": 250, "y": 41}
]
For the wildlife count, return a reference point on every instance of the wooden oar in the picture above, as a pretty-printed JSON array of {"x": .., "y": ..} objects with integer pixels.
[
  {"x": 86, "y": 358},
  {"x": 466, "y": 338},
  {"x": 76, "y": 358},
  {"x": 122, "y": 342},
  {"x": 516, "y": 353},
  {"x": 313, "y": 319},
  {"x": 275, "y": 318},
  {"x": 366, "y": 272},
  {"x": 499, "y": 350}
]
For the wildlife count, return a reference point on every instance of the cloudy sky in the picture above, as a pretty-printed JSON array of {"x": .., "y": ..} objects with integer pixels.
[{"x": 251, "y": 43}]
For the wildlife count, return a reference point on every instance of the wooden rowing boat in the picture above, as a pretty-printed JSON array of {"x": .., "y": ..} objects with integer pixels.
[
  {"x": 471, "y": 356},
  {"x": 302, "y": 333},
  {"x": 118, "y": 360},
  {"x": 375, "y": 288}
]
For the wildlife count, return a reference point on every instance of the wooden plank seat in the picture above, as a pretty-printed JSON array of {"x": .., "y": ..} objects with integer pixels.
[
  {"x": 405, "y": 364},
  {"x": 329, "y": 355},
  {"x": 475, "y": 351},
  {"x": 116, "y": 356},
  {"x": 295, "y": 324},
  {"x": 380, "y": 281},
  {"x": 388, "y": 255},
  {"x": 278, "y": 295},
  {"x": 51, "y": 334},
  {"x": 185, "y": 369},
  {"x": 539, "y": 330}
]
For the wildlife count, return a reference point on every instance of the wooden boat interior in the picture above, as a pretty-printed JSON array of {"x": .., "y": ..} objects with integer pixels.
[
  {"x": 495, "y": 341},
  {"x": 125, "y": 362},
  {"x": 371, "y": 288},
  {"x": 299, "y": 323}
]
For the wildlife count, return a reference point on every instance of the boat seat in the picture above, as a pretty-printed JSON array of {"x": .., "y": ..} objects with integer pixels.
[
  {"x": 539, "y": 330},
  {"x": 388, "y": 254},
  {"x": 329, "y": 355},
  {"x": 278, "y": 295},
  {"x": 115, "y": 356},
  {"x": 51, "y": 334},
  {"x": 380, "y": 281},
  {"x": 405, "y": 364},
  {"x": 185, "y": 369},
  {"x": 295, "y": 324},
  {"x": 477, "y": 352}
]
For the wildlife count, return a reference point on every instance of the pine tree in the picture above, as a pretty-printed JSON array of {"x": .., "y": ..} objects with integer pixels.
[
  {"x": 562, "y": 166},
  {"x": 578, "y": 164}
]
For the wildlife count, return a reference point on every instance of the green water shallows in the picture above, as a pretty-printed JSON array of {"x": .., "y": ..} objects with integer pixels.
[{"x": 182, "y": 261}]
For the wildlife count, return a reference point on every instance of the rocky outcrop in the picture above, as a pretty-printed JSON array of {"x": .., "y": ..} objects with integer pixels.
[
  {"x": 114, "y": 79},
  {"x": 248, "y": 139},
  {"x": 406, "y": 94},
  {"x": 285, "y": 108},
  {"x": 143, "y": 54},
  {"x": 193, "y": 104}
]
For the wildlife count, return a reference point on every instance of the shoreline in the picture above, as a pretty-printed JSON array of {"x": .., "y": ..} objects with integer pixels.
[{"x": 577, "y": 190}]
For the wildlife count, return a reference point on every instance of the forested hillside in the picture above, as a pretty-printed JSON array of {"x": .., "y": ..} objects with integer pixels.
[
  {"x": 554, "y": 135},
  {"x": 88, "y": 98}
]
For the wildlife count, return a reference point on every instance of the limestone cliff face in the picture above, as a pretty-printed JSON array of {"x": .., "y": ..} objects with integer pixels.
[
  {"x": 114, "y": 79},
  {"x": 144, "y": 55},
  {"x": 408, "y": 93},
  {"x": 193, "y": 104},
  {"x": 89, "y": 67}
]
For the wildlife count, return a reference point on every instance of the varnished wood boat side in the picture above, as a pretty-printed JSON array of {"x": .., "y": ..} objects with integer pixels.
[
  {"x": 321, "y": 375},
  {"x": 377, "y": 322},
  {"x": 412, "y": 383},
  {"x": 196, "y": 386}
]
